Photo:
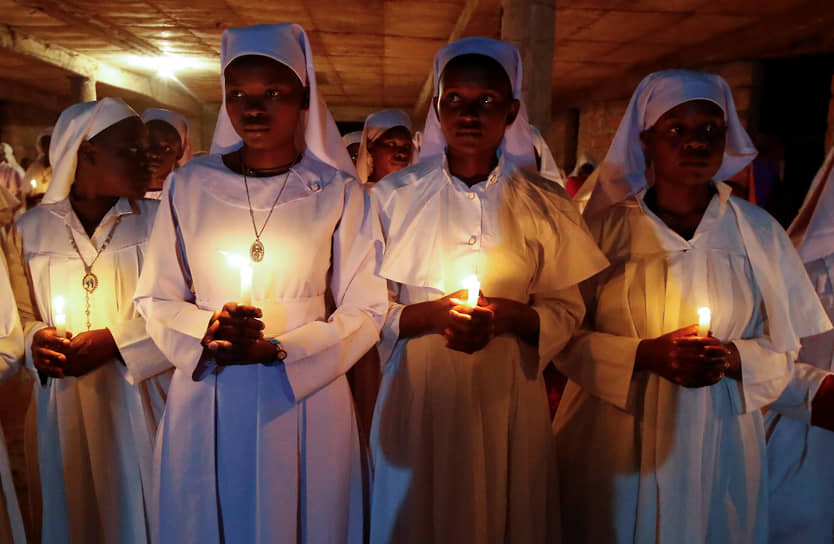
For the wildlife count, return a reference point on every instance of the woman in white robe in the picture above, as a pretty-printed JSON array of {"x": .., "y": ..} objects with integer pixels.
[
  {"x": 800, "y": 471},
  {"x": 461, "y": 437},
  {"x": 265, "y": 450},
  {"x": 643, "y": 458},
  {"x": 387, "y": 145},
  {"x": 169, "y": 145},
  {"x": 99, "y": 395},
  {"x": 11, "y": 353}
]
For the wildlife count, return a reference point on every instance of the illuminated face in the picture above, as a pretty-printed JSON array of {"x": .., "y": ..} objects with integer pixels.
[
  {"x": 114, "y": 162},
  {"x": 264, "y": 100},
  {"x": 391, "y": 152},
  {"x": 686, "y": 145},
  {"x": 475, "y": 105},
  {"x": 353, "y": 151},
  {"x": 164, "y": 150}
]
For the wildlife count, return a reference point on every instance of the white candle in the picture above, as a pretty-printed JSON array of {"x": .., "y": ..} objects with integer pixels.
[
  {"x": 59, "y": 317},
  {"x": 473, "y": 287},
  {"x": 704, "y": 319},
  {"x": 244, "y": 267}
]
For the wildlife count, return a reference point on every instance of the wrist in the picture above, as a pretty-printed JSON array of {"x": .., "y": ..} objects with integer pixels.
[{"x": 279, "y": 353}]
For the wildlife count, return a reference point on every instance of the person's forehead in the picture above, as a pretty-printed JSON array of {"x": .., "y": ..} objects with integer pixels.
[{"x": 398, "y": 131}]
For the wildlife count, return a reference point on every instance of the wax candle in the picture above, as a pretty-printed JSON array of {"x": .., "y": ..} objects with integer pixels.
[
  {"x": 473, "y": 287},
  {"x": 704, "y": 319},
  {"x": 244, "y": 267},
  {"x": 59, "y": 318}
]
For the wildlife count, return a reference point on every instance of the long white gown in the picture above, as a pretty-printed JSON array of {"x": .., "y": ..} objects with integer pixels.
[
  {"x": 640, "y": 458},
  {"x": 264, "y": 452},
  {"x": 800, "y": 468},
  {"x": 461, "y": 443},
  {"x": 95, "y": 432},
  {"x": 11, "y": 353}
]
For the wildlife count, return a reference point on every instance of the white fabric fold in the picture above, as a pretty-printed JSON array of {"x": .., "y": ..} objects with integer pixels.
[{"x": 812, "y": 231}]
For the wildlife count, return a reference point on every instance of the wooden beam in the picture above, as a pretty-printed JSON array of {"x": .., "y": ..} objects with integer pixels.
[
  {"x": 422, "y": 105},
  {"x": 163, "y": 92},
  {"x": 353, "y": 113},
  {"x": 92, "y": 24}
]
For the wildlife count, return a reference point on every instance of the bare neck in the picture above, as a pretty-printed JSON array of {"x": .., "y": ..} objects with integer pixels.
[
  {"x": 471, "y": 169},
  {"x": 91, "y": 211}
]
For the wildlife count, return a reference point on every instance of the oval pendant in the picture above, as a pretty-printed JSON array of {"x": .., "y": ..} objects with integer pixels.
[
  {"x": 89, "y": 282},
  {"x": 256, "y": 252}
]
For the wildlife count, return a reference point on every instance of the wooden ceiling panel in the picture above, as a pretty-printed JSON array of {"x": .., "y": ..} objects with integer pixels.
[
  {"x": 437, "y": 19},
  {"x": 625, "y": 26}
]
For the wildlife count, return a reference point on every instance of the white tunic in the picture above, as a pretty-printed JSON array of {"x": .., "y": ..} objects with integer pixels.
[
  {"x": 642, "y": 459},
  {"x": 461, "y": 443},
  {"x": 95, "y": 432},
  {"x": 11, "y": 352},
  {"x": 800, "y": 468},
  {"x": 263, "y": 452}
]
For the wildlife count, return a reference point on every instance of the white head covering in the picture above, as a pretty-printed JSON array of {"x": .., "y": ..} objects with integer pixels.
[
  {"x": 623, "y": 171},
  {"x": 45, "y": 132},
  {"x": 518, "y": 140},
  {"x": 176, "y": 120},
  {"x": 7, "y": 155},
  {"x": 76, "y": 124},
  {"x": 548, "y": 167},
  {"x": 582, "y": 161},
  {"x": 375, "y": 126},
  {"x": 351, "y": 138},
  {"x": 286, "y": 43},
  {"x": 812, "y": 231}
]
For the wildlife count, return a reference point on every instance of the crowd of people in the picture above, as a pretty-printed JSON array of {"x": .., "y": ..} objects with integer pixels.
[{"x": 308, "y": 337}]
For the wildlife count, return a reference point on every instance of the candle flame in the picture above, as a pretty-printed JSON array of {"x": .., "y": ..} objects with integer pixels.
[
  {"x": 473, "y": 287},
  {"x": 704, "y": 314},
  {"x": 58, "y": 304},
  {"x": 33, "y": 183},
  {"x": 235, "y": 260}
]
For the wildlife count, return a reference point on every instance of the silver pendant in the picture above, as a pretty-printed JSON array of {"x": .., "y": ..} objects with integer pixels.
[
  {"x": 89, "y": 282},
  {"x": 256, "y": 251}
]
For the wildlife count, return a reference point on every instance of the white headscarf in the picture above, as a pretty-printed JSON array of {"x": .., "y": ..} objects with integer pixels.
[
  {"x": 582, "y": 161},
  {"x": 548, "y": 167},
  {"x": 7, "y": 152},
  {"x": 812, "y": 231},
  {"x": 76, "y": 124},
  {"x": 623, "y": 171},
  {"x": 518, "y": 140},
  {"x": 45, "y": 132},
  {"x": 176, "y": 120},
  {"x": 286, "y": 43},
  {"x": 375, "y": 126},
  {"x": 351, "y": 138}
]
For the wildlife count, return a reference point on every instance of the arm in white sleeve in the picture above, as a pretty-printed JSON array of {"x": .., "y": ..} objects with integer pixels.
[
  {"x": 138, "y": 350},
  {"x": 320, "y": 351},
  {"x": 601, "y": 363},
  {"x": 764, "y": 372},
  {"x": 164, "y": 294},
  {"x": 11, "y": 333},
  {"x": 795, "y": 401}
]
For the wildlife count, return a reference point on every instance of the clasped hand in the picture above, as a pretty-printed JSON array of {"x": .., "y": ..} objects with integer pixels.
[
  {"x": 235, "y": 336},
  {"x": 59, "y": 357},
  {"x": 470, "y": 329},
  {"x": 687, "y": 359}
]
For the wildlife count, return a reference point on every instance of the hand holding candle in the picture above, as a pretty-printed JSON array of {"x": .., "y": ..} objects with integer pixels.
[
  {"x": 59, "y": 318},
  {"x": 704, "y": 321}
]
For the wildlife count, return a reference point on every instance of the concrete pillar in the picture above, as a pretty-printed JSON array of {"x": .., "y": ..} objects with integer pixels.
[
  {"x": 82, "y": 89},
  {"x": 531, "y": 26}
]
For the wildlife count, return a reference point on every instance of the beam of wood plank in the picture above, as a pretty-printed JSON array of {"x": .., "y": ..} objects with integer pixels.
[
  {"x": 92, "y": 24},
  {"x": 422, "y": 104},
  {"x": 351, "y": 112},
  {"x": 76, "y": 63}
]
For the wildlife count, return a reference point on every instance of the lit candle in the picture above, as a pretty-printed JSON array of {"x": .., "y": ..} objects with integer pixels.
[
  {"x": 59, "y": 317},
  {"x": 704, "y": 319},
  {"x": 473, "y": 287},
  {"x": 33, "y": 183},
  {"x": 244, "y": 267}
]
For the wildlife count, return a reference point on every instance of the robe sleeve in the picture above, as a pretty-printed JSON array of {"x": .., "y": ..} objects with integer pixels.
[
  {"x": 11, "y": 333},
  {"x": 164, "y": 294},
  {"x": 795, "y": 401},
  {"x": 19, "y": 278},
  {"x": 391, "y": 328},
  {"x": 318, "y": 352},
  {"x": 138, "y": 351},
  {"x": 765, "y": 372}
]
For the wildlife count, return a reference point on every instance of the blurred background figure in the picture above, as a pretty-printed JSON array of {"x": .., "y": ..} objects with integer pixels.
[
  {"x": 585, "y": 166},
  {"x": 39, "y": 173}
]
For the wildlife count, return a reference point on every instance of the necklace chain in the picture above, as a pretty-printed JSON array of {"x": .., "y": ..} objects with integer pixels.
[
  {"x": 256, "y": 252},
  {"x": 90, "y": 281}
]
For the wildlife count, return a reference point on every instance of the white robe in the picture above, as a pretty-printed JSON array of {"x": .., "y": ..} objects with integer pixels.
[
  {"x": 800, "y": 468},
  {"x": 263, "y": 452},
  {"x": 95, "y": 432},
  {"x": 461, "y": 443},
  {"x": 642, "y": 459},
  {"x": 11, "y": 353}
]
